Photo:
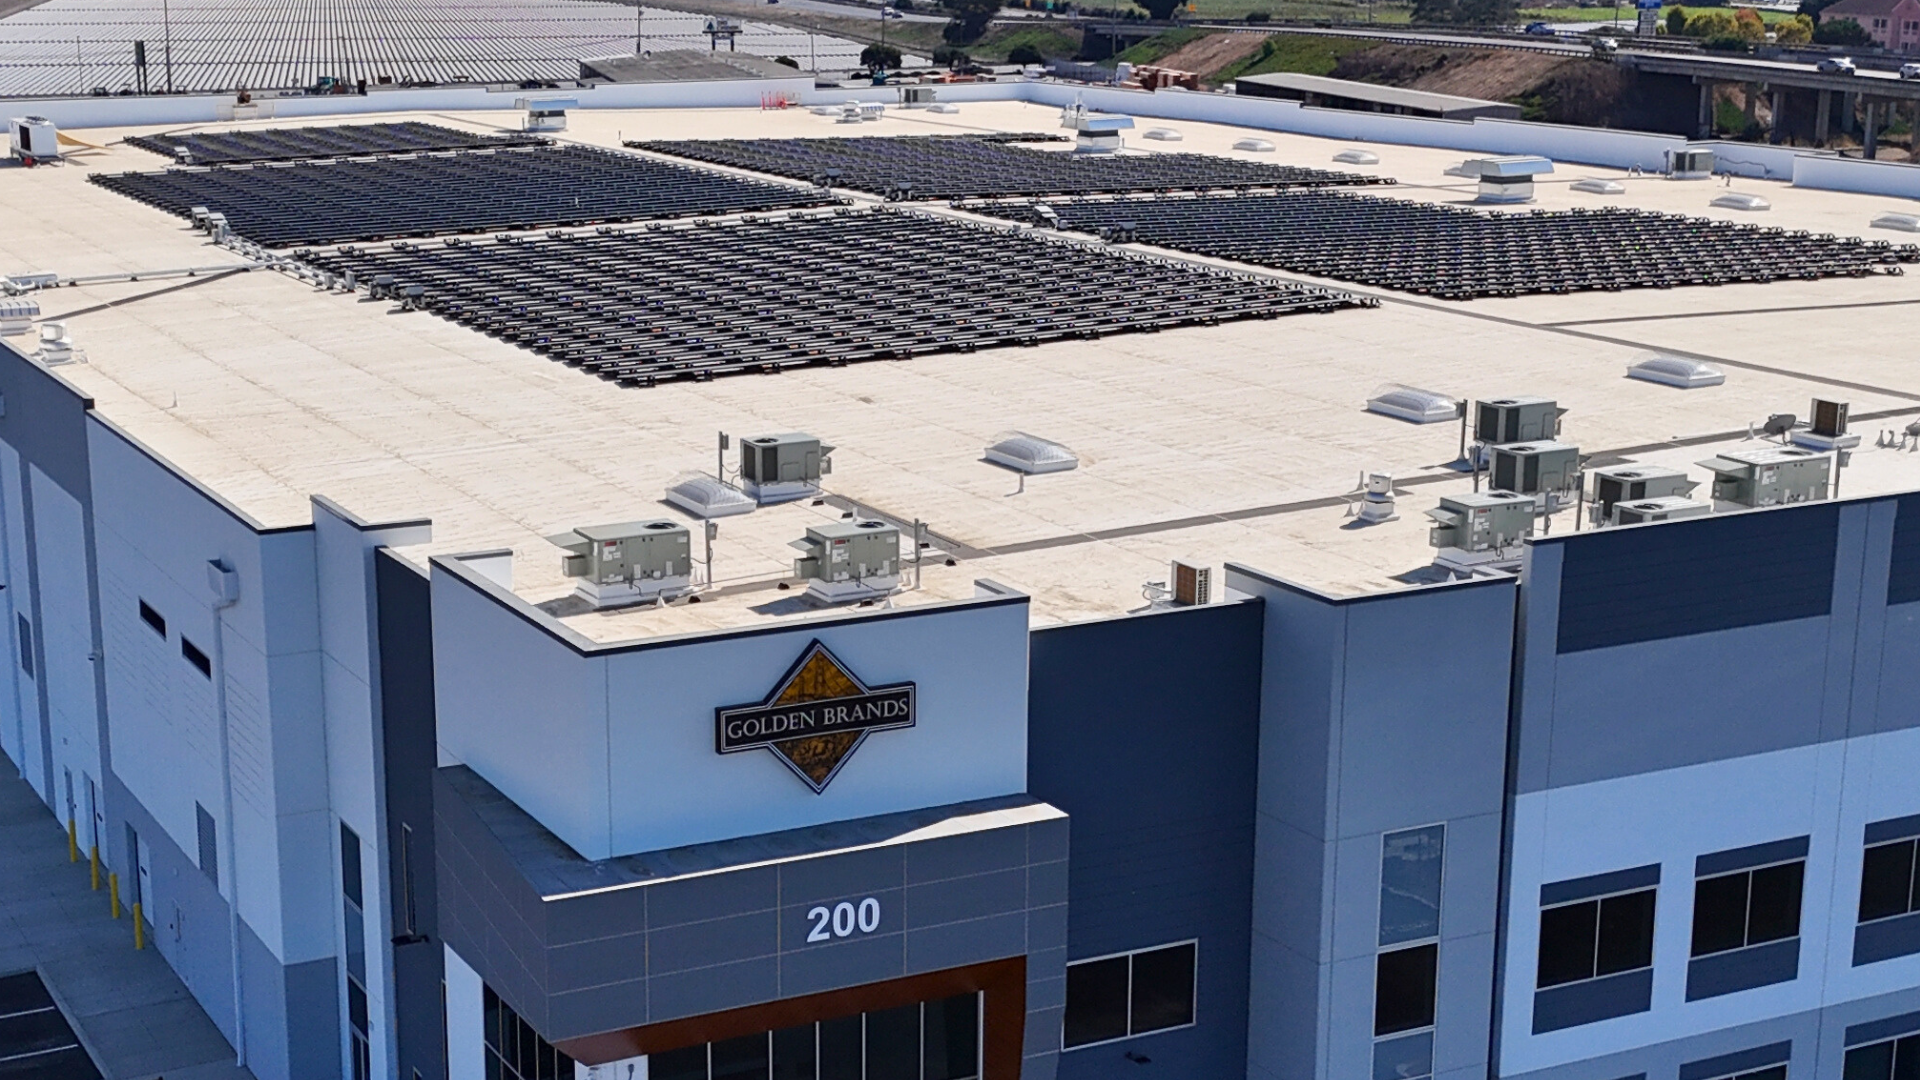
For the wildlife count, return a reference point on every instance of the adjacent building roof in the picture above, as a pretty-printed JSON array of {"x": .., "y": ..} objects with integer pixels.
[
  {"x": 1368, "y": 97},
  {"x": 684, "y": 65}
]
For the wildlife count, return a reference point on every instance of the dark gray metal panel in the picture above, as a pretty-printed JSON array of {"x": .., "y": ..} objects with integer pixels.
[
  {"x": 1561, "y": 892},
  {"x": 1725, "y": 862},
  {"x": 1877, "y": 1030},
  {"x": 1619, "y": 586},
  {"x": 1886, "y": 939},
  {"x": 405, "y": 628},
  {"x": 1738, "y": 1062},
  {"x": 1743, "y": 969},
  {"x": 45, "y": 421},
  {"x": 1879, "y": 832},
  {"x": 313, "y": 1022},
  {"x": 1146, "y": 731},
  {"x": 1903, "y": 571},
  {"x": 1588, "y": 1002}
]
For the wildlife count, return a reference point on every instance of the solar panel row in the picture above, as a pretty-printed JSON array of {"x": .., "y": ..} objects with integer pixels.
[
  {"x": 462, "y": 192},
  {"x": 748, "y": 295},
  {"x": 1460, "y": 254},
  {"x": 946, "y": 167},
  {"x": 296, "y": 144}
]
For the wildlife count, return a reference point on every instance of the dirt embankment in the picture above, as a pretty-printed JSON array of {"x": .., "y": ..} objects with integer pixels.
[
  {"x": 1213, "y": 52},
  {"x": 1557, "y": 89}
]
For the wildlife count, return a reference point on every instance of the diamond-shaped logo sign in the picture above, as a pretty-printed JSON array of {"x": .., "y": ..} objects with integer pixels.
[{"x": 817, "y": 715}]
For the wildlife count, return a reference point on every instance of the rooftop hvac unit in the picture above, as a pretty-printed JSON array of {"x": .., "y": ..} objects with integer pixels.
[
  {"x": 1689, "y": 164},
  {"x": 916, "y": 97},
  {"x": 856, "y": 560},
  {"x": 1357, "y": 157},
  {"x": 1506, "y": 179},
  {"x": 705, "y": 497},
  {"x": 1415, "y": 405},
  {"x": 545, "y": 114},
  {"x": 1542, "y": 468},
  {"x": 1828, "y": 431},
  {"x": 1098, "y": 134},
  {"x": 1643, "y": 511},
  {"x": 1191, "y": 584},
  {"x": 1518, "y": 419},
  {"x": 630, "y": 563},
  {"x": 1626, "y": 483},
  {"x": 1030, "y": 454},
  {"x": 35, "y": 139},
  {"x": 17, "y": 315},
  {"x": 56, "y": 346},
  {"x": 1769, "y": 477},
  {"x": 1676, "y": 371},
  {"x": 1482, "y": 523},
  {"x": 782, "y": 468}
]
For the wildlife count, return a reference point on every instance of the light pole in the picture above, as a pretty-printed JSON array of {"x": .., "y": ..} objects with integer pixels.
[{"x": 166, "y": 22}]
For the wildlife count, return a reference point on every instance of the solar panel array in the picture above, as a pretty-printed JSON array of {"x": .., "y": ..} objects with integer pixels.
[
  {"x": 347, "y": 140},
  {"x": 378, "y": 198},
  {"x": 946, "y": 167},
  {"x": 750, "y": 295},
  {"x": 1461, "y": 254}
]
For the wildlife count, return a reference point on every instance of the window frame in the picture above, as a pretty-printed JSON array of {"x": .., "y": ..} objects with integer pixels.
[
  {"x": 1912, "y": 842},
  {"x": 1598, "y": 924},
  {"x": 1432, "y": 940},
  {"x": 196, "y": 656},
  {"x": 1193, "y": 1007},
  {"x": 1746, "y": 930},
  {"x": 154, "y": 620}
]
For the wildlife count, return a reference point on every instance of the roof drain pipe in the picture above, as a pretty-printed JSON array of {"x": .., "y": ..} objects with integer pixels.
[{"x": 224, "y": 582}]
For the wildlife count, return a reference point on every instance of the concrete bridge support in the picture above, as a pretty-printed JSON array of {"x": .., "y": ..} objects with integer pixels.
[
  {"x": 1823, "y": 118},
  {"x": 1777, "y": 132}
]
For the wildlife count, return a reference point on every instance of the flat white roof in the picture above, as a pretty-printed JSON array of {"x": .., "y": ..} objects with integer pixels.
[{"x": 1233, "y": 442}]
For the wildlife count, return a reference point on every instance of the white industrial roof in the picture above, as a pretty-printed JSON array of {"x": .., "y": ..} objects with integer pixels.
[{"x": 1233, "y": 442}]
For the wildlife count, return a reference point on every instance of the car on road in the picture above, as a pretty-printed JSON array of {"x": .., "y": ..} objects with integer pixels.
[
  {"x": 1835, "y": 65},
  {"x": 1910, "y": 71},
  {"x": 1539, "y": 28}
]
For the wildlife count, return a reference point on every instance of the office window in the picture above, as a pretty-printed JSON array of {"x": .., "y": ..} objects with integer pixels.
[
  {"x": 409, "y": 916},
  {"x": 209, "y": 849},
  {"x": 1887, "y": 880},
  {"x": 1751, "y": 907},
  {"x": 517, "y": 1052},
  {"x": 1590, "y": 938},
  {"x": 152, "y": 618},
  {"x": 1771, "y": 1072},
  {"x": 928, "y": 1040},
  {"x": 1406, "y": 970},
  {"x": 353, "y": 904},
  {"x": 26, "y": 646},
  {"x": 195, "y": 657},
  {"x": 1117, "y": 997},
  {"x": 1889, "y": 1059}
]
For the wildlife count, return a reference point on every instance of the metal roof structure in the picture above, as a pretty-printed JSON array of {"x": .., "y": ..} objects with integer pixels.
[{"x": 1368, "y": 97}]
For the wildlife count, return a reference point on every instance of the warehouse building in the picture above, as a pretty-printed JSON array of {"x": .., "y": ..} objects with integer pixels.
[{"x": 1143, "y": 744}]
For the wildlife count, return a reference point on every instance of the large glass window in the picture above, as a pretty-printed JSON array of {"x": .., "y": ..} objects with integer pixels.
[
  {"x": 1590, "y": 938},
  {"x": 352, "y": 903},
  {"x": 932, "y": 1040},
  {"x": 1887, "y": 880},
  {"x": 1751, "y": 907},
  {"x": 1889, "y": 1059},
  {"x": 1407, "y": 969},
  {"x": 517, "y": 1052},
  {"x": 1117, "y": 997}
]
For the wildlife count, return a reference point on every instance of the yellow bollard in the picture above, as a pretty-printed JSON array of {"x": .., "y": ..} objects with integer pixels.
[
  {"x": 73, "y": 842},
  {"x": 139, "y": 928},
  {"x": 113, "y": 890},
  {"x": 93, "y": 865}
]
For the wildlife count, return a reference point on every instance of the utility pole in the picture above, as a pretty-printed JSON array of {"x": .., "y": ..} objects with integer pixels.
[{"x": 166, "y": 22}]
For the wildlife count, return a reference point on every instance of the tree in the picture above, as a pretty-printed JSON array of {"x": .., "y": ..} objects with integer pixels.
[
  {"x": 1746, "y": 23},
  {"x": 1795, "y": 31},
  {"x": 1812, "y": 8},
  {"x": 970, "y": 18},
  {"x": 1844, "y": 32},
  {"x": 1677, "y": 22},
  {"x": 880, "y": 57},
  {"x": 1466, "y": 12},
  {"x": 1161, "y": 10},
  {"x": 951, "y": 58},
  {"x": 1024, "y": 54},
  {"x": 1259, "y": 16},
  {"x": 1712, "y": 24}
]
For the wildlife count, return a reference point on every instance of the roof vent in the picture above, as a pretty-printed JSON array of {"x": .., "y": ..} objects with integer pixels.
[
  {"x": 1164, "y": 135},
  {"x": 1902, "y": 222},
  {"x": 1030, "y": 454},
  {"x": 1258, "y": 146},
  {"x": 1357, "y": 157},
  {"x": 1413, "y": 404},
  {"x": 1676, "y": 371},
  {"x": 1740, "y": 200},
  {"x": 56, "y": 346},
  {"x": 1593, "y": 185},
  {"x": 705, "y": 497},
  {"x": 16, "y": 316}
]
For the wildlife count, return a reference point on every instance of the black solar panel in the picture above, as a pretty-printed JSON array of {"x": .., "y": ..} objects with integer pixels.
[
  {"x": 946, "y": 167},
  {"x": 296, "y": 144},
  {"x": 467, "y": 191},
  {"x": 748, "y": 295},
  {"x": 1460, "y": 254}
]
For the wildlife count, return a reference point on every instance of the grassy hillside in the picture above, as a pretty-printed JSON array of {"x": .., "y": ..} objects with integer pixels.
[{"x": 1308, "y": 54}]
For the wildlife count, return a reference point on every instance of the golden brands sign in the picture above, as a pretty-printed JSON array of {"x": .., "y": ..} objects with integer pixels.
[{"x": 817, "y": 715}]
